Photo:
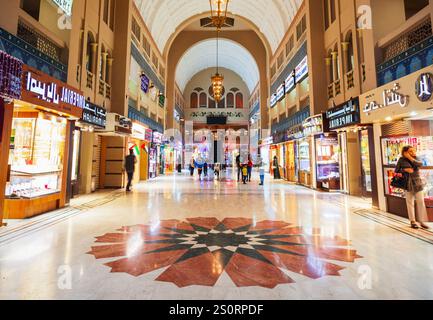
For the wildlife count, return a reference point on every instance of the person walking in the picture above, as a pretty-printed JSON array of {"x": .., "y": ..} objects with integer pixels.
[
  {"x": 250, "y": 168},
  {"x": 217, "y": 169},
  {"x": 191, "y": 167},
  {"x": 205, "y": 169},
  {"x": 276, "y": 168},
  {"x": 130, "y": 161},
  {"x": 409, "y": 167},
  {"x": 238, "y": 165},
  {"x": 244, "y": 174},
  {"x": 262, "y": 174}
]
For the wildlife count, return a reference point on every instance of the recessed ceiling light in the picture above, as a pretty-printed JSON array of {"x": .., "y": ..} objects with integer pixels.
[
  {"x": 388, "y": 119},
  {"x": 413, "y": 114}
]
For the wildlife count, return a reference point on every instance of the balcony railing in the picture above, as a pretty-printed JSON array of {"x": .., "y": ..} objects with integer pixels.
[
  {"x": 411, "y": 55},
  {"x": 101, "y": 90},
  {"x": 89, "y": 81},
  {"x": 337, "y": 87},
  {"x": 330, "y": 91},
  {"x": 107, "y": 91},
  {"x": 350, "y": 81},
  {"x": 39, "y": 41},
  {"x": 31, "y": 55}
]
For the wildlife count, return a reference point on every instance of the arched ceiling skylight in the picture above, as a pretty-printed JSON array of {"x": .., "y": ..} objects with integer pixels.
[
  {"x": 232, "y": 56},
  {"x": 272, "y": 17}
]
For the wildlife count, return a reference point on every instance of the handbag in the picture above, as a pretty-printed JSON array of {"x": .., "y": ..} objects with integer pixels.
[{"x": 400, "y": 180}]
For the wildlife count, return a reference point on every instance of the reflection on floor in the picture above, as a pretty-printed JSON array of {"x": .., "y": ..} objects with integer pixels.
[{"x": 179, "y": 238}]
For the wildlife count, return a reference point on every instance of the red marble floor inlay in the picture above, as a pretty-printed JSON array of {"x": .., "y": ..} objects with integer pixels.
[{"x": 199, "y": 250}]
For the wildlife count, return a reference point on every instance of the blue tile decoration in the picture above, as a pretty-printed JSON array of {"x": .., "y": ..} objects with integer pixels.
[
  {"x": 32, "y": 56},
  {"x": 412, "y": 60}
]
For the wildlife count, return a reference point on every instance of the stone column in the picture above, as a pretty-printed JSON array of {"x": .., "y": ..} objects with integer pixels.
[
  {"x": 334, "y": 55},
  {"x": 109, "y": 70},
  {"x": 104, "y": 66},
  {"x": 328, "y": 63},
  {"x": 93, "y": 57}
]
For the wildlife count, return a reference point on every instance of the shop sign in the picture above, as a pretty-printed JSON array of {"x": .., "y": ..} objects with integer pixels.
[
  {"x": 138, "y": 131},
  {"x": 274, "y": 100},
  {"x": 145, "y": 82},
  {"x": 295, "y": 133},
  {"x": 118, "y": 124},
  {"x": 344, "y": 115},
  {"x": 65, "y": 5},
  {"x": 281, "y": 92},
  {"x": 267, "y": 141},
  {"x": 41, "y": 89},
  {"x": 301, "y": 70},
  {"x": 424, "y": 87},
  {"x": 157, "y": 137},
  {"x": 290, "y": 82},
  {"x": 11, "y": 70},
  {"x": 313, "y": 125},
  {"x": 95, "y": 115},
  {"x": 148, "y": 135},
  {"x": 390, "y": 97}
]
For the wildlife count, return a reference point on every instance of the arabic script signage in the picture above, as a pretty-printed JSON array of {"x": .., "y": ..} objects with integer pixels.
[
  {"x": 390, "y": 97},
  {"x": 95, "y": 115},
  {"x": 45, "y": 91},
  {"x": 10, "y": 76},
  {"x": 313, "y": 125},
  {"x": 344, "y": 115},
  {"x": 424, "y": 87}
]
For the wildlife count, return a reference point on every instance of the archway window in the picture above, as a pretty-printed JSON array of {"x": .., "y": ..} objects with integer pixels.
[
  {"x": 350, "y": 55},
  {"x": 211, "y": 103},
  {"x": 194, "y": 101},
  {"x": 203, "y": 100},
  {"x": 239, "y": 101},
  {"x": 230, "y": 100},
  {"x": 222, "y": 104}
]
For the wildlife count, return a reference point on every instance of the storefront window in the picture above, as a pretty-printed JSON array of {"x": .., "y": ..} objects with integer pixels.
[
  {"x": 391, "y": 149},
  {"x": 328, "y": 170},
  {"x": 365, "y": 161},
  {"x": 304, "y": 155},
  {"x": 36, "y": 156}
]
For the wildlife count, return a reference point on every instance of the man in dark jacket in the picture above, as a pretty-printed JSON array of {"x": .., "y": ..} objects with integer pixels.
[
  {"x": 238, "y": 165},
  {"x": 130, "y": 161}
]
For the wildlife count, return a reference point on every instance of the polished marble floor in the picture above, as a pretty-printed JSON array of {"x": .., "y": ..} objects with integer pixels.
[{"x": 180, "y": 238}]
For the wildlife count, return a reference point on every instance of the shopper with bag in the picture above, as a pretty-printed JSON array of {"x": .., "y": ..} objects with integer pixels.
[{"x": 408, "y": 178}]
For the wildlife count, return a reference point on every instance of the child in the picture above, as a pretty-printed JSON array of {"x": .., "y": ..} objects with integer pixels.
[
  {"x": 262, "y": 175},
  {"x": 244, "y": 174}
]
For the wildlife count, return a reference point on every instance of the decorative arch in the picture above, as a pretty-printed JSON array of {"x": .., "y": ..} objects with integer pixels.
[{"x": 194, "y": 100}]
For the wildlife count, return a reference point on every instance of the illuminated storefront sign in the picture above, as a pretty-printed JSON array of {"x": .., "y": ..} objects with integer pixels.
[
  {"x": 138, "y": 131},
  {"x": 390, "y": 97},
  {"x": 157, "y": 137},
  {"x": 148, "y": 135},
  {"x": 424, "y": 87},
  {"x": 344, "y": 115},
  {"x": 95, "y": 115},
  {"x": 274, "y": 100},
  {"x": 10, "y": 76},
  {"x": 281, "y": 92},
  {"x": 65, "y": 5},
  {"x": 313, "y": 125},
  {"x": 301, "y": 70},
  {"x": 45, "y": 91}
]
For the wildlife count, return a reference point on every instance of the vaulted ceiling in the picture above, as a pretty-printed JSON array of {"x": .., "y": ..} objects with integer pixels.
[
  {"x": 272, "y": 17},
  {"x": 232, "y": 56}
]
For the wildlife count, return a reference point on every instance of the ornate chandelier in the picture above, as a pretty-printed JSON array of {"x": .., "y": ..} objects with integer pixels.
[
  {"x": 218, "y": 10},
  {"x": 219, "y": 16}
]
